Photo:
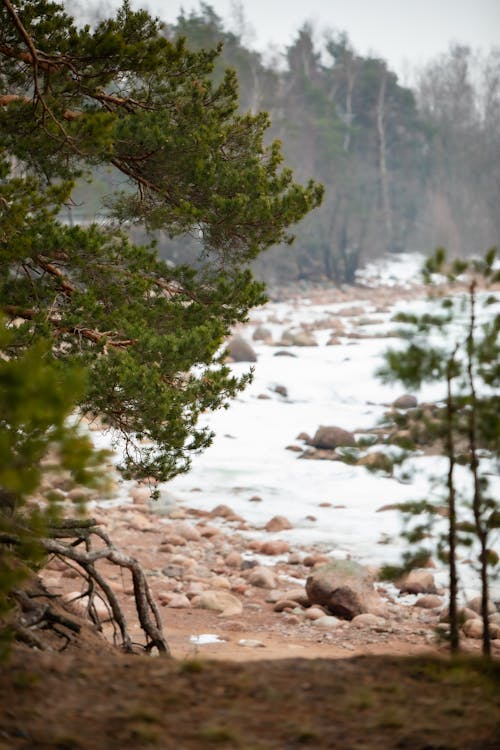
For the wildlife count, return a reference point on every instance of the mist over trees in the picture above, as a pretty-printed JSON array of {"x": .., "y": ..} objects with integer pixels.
[{"x": 404, "y": 169}]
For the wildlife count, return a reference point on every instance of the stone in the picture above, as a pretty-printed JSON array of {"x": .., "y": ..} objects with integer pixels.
[
  {"x": 299, "y": 338},
  {"x": 297, "y": 595},
  {"x": 221, "y": 582},
  {"x": 233, "y": 559},
  {"x": 186, "y": 531},
  {"x": 278, "y": 523},
  {"x": 138, "y": 522},
  {"x": 303, "y": 436},
  {"x": 283, "y": 604},
  {"x": 262, "y": 577},
  {"x": 310, "y": 561},
  {"x": 281, "y": 391},
  {"x": 331, "y": 437},
  {"x": 377, "y": 460},
  {"x": 475, "y": 605},
  {"x": 275, "y": 547},
  {"x": 473, "y": 628},
  {"x": 179, "y": 601},
  {"x": 327, "y": 622},
  {"x": 429, "y": 601},
  {"x": 240, "y": 350},
  {"x": 224, "y": 511},
  {"x": 367, "y": 620},
  {"x": 495, "y": 618},
  {"x": 221, "y": 601},
  {"x": 173, "y": 571},
  {"x": 418, "y": 582},
  {"x": 406, "y": 401},
  {"x": 262, "y": 333},
  {"x": 314, "y": 613},
  {"x": 282, "y": 353},
  {"x": 463, "y": 614},
  {"x": 344, "y": 587},
  {"x": 207, "y": 531}
]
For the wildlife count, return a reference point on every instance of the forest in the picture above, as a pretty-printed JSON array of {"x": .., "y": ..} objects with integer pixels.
[{"x": 404, "y": 169}]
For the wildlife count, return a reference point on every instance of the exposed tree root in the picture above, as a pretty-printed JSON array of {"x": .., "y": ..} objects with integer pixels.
[{"x": 64, "y": 542}]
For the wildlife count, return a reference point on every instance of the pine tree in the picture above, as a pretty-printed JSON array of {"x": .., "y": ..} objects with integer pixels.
[
  {"x": 92, "y": 321},
  {"x": 124, "y": 97},
  {"x": 457, "y": 345}
]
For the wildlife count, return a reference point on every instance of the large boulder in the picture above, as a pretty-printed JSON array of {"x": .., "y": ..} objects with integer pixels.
[
  {"x": 331, "y": 437},
  {"x": 240, "y": 350},
  {"x": 344, "y": 588}
]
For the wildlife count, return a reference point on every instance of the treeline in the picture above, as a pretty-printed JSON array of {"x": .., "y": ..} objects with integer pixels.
[{"x": 403, "y": 169}]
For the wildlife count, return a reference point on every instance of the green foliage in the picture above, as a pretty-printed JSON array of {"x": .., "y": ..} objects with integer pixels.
[
  {"x": 457, "y": 345},
  {"x": 124, "y": 97},
  {"x": 37, "y": 397}
]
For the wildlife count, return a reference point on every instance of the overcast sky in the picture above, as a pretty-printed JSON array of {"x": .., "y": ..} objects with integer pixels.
[{"x": 404, "y": 32}]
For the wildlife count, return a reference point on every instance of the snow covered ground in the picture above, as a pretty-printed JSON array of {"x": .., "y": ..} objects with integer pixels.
[{"x": 326, "y": 385}]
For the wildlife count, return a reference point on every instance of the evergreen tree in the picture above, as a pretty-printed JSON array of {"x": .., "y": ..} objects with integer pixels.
[
  {"x": 457, "y": 345},
  {"x": 123, "y": 96}
]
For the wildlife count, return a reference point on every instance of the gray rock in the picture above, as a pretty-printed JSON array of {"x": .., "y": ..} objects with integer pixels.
[
  {"x": 345, "y": 588},
  {"x": 281, "y": 390},
  {"x": 240, "y": 350},
  {"x": 262, "y": 333},
  {"x": 299, "y": 338},
  {"x": 262, "y": 577},
  {"x": 406, "y": 401},
  {"x": 173, "y": 571},
  {"x": 331, "y": 437}
]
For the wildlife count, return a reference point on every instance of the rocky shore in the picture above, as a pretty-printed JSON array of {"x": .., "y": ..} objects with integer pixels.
[{"x": 226, "y": 595}]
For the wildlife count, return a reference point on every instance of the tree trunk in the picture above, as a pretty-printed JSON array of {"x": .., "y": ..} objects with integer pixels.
[
  {"x": 382, "y": 159},
  {"x": 481, "y": 530},
  {"x": 452, "y": 513}
]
